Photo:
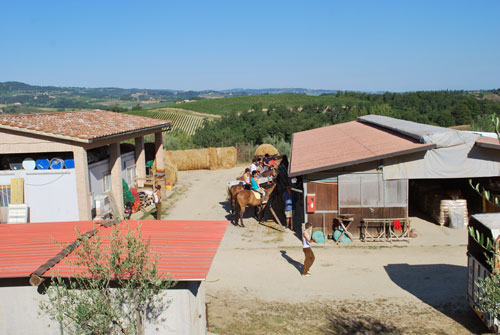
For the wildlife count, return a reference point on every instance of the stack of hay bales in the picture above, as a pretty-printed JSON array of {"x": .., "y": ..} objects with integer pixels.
[
  {"x": 171, "y": 173},
  {"x": 266, "y": 149},
  {"x": 225, "y": 158},
  {"x": 202, "y": 159}
]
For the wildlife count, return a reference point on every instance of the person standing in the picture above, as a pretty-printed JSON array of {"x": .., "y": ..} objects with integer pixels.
[
  {"x": 288, "y": 199},
  {"x": 306, "y": 247},
  {"x": 157, "y": 201}
]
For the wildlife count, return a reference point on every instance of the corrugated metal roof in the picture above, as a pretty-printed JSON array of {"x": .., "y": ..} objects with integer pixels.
[
  {"x": 82, "y": 126},
  {"x": 24, "y": 247},
  {"x": 185, "y": 248},
  {"x": 346, "y": 144}
]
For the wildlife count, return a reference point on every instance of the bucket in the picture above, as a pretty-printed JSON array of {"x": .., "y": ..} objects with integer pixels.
[
  {"x": 69, "y": 163},
  {"x": 56, "y": 163},
  {"x": 29, "y": 164},
  {"x": 15, "y": 165},
  {"x": 42, "y": 164}
]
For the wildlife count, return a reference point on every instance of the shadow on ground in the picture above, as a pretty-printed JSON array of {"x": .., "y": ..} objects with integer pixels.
[
  {"x": 441, "y": 286},
  {"x": 250, "y": 212},
  {"x": 292, "y": 261},
  {"x": 365, "y": 325}
]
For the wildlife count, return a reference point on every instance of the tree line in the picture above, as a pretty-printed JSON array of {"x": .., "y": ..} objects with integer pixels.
[{"x": 441, "y": 108}]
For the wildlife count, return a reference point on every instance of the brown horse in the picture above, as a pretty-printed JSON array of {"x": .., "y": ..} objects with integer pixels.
[
  {"x": 232, "y": 194},
  {"x": 246, "y": 198}
]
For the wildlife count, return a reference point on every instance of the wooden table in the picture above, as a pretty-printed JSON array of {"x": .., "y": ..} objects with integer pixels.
[{"x": 385, "y": 229}]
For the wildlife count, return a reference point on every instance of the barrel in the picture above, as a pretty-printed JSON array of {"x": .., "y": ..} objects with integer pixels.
[
  {"x": 56, "y": 163},
  {"x": 42, "y": 164},
  {"x": 69, "y": 163},
  {"x": 29, "y": 164}
]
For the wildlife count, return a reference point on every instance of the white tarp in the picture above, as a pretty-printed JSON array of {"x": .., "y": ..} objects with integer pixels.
[{"x": 455, "y": 155}]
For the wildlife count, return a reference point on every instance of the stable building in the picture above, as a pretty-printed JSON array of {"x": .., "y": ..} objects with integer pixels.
[
  {"x": 379, "y": 167},
  {"x": 86, "y": 160},
  {"x": 30, "y": 257}
]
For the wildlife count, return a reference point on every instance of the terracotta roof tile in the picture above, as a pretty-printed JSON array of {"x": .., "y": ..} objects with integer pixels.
[
  {"x": 346, "y": 144},
  {"x": 83, "y": 125}
]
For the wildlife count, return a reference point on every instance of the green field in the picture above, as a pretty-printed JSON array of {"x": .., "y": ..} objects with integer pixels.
[
  {"x": 188, "y": 121},
  {"x": 221, "y": 106}
]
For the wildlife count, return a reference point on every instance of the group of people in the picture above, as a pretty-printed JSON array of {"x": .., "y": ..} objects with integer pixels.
[
  {"x": 261, "y": 165},
  {"x": 258, "y": 166}
]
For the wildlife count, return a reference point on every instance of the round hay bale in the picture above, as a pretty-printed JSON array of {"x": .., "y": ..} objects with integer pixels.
[
  {"x": 265, "y": 149},
  {"x": 213, "y": 159},
  {"x": 226, "y": 157},
  {"x": 171, "y": 173},
  {"x": 192, "y": 159}
]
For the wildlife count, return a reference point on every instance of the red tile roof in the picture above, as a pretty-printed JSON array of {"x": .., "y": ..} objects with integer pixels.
[
  {"x": 346, "y": 144},
  {"x": 82, "y": 126},
  {"x": 185, "y": 248}
]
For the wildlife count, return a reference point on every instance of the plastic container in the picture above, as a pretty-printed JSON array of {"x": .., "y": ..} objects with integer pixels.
[
  {"x": 42, "y": 164},
  {"x": 29, "y": 164},
  {"x": 16, "y": 165},
  {"x": 69, "y": 163},
  {"x": 319, "y": 236},
  {"x": 56, "y": 164}
]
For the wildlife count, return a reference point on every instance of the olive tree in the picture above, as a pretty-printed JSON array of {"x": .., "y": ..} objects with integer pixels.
[{"x": 115, "y": 287}]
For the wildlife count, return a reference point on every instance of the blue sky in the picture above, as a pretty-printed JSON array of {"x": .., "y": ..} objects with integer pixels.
[{"x": 346, "y": 45}]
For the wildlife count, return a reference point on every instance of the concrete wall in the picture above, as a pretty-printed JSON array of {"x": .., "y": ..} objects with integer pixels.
[
  {"x": 50, "y": 194},
  {"x": 19, "y": 311}
]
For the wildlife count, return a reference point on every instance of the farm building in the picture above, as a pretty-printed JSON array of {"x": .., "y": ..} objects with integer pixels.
[
  {"x": 378, "y": 168},
  {"x": 185, "y": 251},
  {"x": 58, "y": 163}
]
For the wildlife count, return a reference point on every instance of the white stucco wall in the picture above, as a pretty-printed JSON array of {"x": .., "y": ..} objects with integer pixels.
[
  {"x": 50, "y": 194},
  {"x": 19, "y": 312}
]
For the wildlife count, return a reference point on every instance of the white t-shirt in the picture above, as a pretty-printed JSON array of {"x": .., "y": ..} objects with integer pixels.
[
  {"x": 155, "y": 198},
  {"x": 253, "y": 167},
  {"x": 305, "y": 242}
]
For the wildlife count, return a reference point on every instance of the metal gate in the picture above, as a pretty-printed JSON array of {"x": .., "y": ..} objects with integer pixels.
[{"x": 244, "y": 151}]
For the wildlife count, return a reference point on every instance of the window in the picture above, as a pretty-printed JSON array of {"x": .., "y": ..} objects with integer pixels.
[
  {"x": 350, "y": 190},
  {"x": 107, "y": 182},
  {"x": 4, "y": 195},
  {"x": 131, "y": 175}
]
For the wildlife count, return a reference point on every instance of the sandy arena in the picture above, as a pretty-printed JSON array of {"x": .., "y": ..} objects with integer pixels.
[{"x": 254, "y": 285}]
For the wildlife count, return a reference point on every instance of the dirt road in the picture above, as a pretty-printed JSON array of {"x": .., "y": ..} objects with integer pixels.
[{"x": 255, "y": 287}]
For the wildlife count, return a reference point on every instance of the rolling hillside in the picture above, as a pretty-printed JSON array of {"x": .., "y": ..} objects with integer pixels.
[
  {"x": 187, "y": 121},
  {"x": 221, "y": 106}
]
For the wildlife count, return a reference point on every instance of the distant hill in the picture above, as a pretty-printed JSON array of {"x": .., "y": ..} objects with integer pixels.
[{"x": 19, "y": 97}]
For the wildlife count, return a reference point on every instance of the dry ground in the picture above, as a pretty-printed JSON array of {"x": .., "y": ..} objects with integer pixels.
[{"x": 255, "y": 287}]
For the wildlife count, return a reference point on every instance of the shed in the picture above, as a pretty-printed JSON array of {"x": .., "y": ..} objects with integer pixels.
[
  {"x": 369, "y": 167},
  {"x": 185, "y": 249},
  {"x": 83, "y": 137}
]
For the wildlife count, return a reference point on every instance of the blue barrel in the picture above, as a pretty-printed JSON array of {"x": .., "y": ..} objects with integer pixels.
[
  {"x": 56, "y": 163},
  {"x": 42, "y": 164},
  {"x": 69, "y": 163}
]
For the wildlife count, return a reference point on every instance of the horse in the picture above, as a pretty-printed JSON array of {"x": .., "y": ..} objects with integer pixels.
[
  {"x": 232, "y": 190},
  {"x": 232, "y": 194},
  {"x": 246, "y": 198}
]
